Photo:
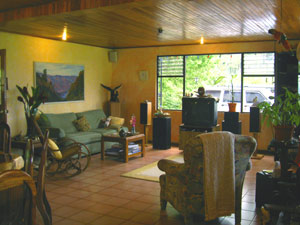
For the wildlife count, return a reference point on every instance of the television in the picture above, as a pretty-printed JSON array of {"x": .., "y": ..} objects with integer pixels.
[{"x": 199, "y": 112}]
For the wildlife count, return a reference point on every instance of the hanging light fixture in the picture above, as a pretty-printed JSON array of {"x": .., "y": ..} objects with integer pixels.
[
  {"x": 64, "y": 35},
  {"x": 202, "y": 40}
]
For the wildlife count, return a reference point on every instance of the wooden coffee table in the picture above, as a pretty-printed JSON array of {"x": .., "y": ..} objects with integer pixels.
[{"x": 139, "y": 138}]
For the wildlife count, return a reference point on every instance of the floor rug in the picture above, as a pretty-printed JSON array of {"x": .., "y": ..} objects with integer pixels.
[{"x": 151, "y": 172}]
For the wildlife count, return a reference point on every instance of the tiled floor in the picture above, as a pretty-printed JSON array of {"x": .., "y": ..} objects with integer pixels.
[{"x": 100, "y": 196}]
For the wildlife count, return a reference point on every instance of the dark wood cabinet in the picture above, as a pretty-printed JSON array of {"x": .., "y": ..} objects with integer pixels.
[{"x": 162, "y": 133}]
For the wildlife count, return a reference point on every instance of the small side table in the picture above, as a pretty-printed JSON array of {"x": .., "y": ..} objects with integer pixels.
[{"x": 139, "y": 138}]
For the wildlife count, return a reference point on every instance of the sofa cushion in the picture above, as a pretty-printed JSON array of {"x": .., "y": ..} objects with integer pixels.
[
  {"x": 104, "y": 123},
  {"x": 104, "y": 131},
  {"x": 116, "y": 122},
  {"x": 93, "y": 117},
  {"x": 85, "y": 136},
  {"x": 63, "y": 121},
  {"x": 82, "y": 124}
]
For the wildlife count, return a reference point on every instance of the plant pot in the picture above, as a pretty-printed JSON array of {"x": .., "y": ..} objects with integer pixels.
[
  {"x": 283, "y": 133},
  {"x": 232, "y": 106},
  {"x": 30, "y": 133}
]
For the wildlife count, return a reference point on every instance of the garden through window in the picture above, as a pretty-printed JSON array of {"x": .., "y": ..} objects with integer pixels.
[{"x": 248, "y": 76}]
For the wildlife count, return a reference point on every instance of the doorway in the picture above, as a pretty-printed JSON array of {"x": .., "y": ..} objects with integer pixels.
[{"x": 3, "y": 87}]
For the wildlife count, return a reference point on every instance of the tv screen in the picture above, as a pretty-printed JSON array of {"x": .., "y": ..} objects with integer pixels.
[{"x": 199, "y": 112}]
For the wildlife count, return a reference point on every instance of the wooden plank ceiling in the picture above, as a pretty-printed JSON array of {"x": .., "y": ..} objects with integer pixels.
[{"x": 136, "y": 23}]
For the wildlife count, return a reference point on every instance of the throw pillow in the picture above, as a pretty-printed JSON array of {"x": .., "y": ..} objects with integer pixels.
[
  {"x": 82, "y": 124},
  {"x": 105, "y": 122},
  {"x": 116, "y": 120},
  {"x": 54, "y": 148}
]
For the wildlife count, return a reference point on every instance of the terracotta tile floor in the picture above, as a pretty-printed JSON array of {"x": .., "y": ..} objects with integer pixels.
[{"x": 100, "y": 196}]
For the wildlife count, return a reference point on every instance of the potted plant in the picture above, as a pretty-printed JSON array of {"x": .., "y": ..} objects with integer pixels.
[
  {"x": 283, "y": 114},
  {"x": 31, "y": 104},
  {"x": 232, "y": 104}
]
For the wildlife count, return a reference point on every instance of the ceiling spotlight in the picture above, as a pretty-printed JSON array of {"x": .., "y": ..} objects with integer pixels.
[
  {"x": 160, "y": 30},
  {"x": 64, "y": 35},
  {"x": 202, "y": 40}
]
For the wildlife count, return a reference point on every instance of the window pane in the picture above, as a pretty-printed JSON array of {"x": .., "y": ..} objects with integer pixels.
[
  {"x": 213, "y": 93},
  {"x": 170, "y": 92},
  {"x": 215, "y": 73},
  {"x": 211, "y": 70},
  {"x": 259, "y": 63},
  {"x": 236, "y": 96},
  {"x": 258, "y": 88},
  {"x": 170, "y": 66}
]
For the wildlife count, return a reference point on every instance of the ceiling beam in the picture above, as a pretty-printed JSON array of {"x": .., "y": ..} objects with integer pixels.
[{"x": 57, "y": 7}]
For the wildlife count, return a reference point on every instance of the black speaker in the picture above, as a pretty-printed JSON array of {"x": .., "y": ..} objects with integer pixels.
[
  {"x": 254, "y": 119},
  {"x": 162, "y": 133},
  {"x": 233, "y": 127},
  {"x": 231, "y": 117},
  {"x": 145, "y": 113}
]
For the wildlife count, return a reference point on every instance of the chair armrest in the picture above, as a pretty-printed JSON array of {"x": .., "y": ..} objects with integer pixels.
[
  {"x": 55, "y": 133},
  {"x": 171, "y": 167}
]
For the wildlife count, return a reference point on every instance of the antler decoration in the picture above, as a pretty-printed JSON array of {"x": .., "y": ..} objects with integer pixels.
[{"x": 113, "y": 92}]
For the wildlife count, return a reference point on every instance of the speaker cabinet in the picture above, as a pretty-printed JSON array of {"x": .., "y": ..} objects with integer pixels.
[
  {"x": 254, "y": 119},
  {"x": 162, "y": 133},
  {"x": 113, "y": 56},
  {"x": 231, "y": 123},
  {"x": 145, "y": 113},
  {"x": 286, "y": 73},
  {"x": 231, "y": 116}
]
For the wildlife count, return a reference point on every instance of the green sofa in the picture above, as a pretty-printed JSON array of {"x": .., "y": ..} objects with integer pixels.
[{"x": 61, "y": 126}]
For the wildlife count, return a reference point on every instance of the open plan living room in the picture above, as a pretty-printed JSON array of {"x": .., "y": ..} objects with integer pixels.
[{"x": 149, "y": 112}]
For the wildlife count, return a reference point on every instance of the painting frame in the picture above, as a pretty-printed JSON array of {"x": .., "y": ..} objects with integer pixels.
[{"x": 59, "y": 82}]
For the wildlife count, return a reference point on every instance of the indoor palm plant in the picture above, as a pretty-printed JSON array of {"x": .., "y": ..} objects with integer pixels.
[
  {"x": 284, "y": 114},
  {"x": 31, "y": 103},
  {"x": 232, "y": 104}
]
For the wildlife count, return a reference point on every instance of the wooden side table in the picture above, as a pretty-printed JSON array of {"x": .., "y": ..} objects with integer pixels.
[
  {"x": 139, "y": 138},
  {"x": 22, "y": 144}
]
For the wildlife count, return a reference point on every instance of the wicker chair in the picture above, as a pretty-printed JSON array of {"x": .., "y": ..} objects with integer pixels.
[{"x": 65, "y": 160}]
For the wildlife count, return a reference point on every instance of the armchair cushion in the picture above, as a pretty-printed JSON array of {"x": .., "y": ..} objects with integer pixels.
[{"x": 54, "y": 148}]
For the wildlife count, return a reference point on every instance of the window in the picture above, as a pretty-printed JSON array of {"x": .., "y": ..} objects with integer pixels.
[
  {"x": 170, "y": 82},
  {"x": 220, "y": 74}
]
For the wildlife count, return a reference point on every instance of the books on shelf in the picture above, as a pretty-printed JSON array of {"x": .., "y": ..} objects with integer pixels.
[
  {"x": 134, "y": 150},
  {"x": 117, "y": 149}
]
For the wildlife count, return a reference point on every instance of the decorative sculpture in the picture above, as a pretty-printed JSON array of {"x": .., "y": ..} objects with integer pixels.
[
  {"x": 281, "y": 38},
  {"x": 113, "y": 93}
]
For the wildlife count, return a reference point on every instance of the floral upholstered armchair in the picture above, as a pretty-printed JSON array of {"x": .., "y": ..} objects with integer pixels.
[{"x": 183, "y": 183}]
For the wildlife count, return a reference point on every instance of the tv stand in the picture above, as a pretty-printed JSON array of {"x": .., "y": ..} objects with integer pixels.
[{"x": 188, "y": 131}]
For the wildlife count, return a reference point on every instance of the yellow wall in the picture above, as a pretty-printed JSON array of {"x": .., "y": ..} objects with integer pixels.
[
  {"x": 22, "y": 51},
  {"x": 135, "y": 91}
]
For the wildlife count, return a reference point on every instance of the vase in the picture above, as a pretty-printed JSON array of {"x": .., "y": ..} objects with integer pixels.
[
  {"x": 30, "y": 132},
  {"x": 232, "y": 106},
  {"x": 283, "y": 133}
]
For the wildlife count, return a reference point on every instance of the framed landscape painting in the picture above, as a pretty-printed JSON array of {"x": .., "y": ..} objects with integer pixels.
[{"x": 60, "y": 82}]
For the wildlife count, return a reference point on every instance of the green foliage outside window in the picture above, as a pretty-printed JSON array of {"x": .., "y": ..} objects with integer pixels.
[{"x": 183, "y": 75}]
